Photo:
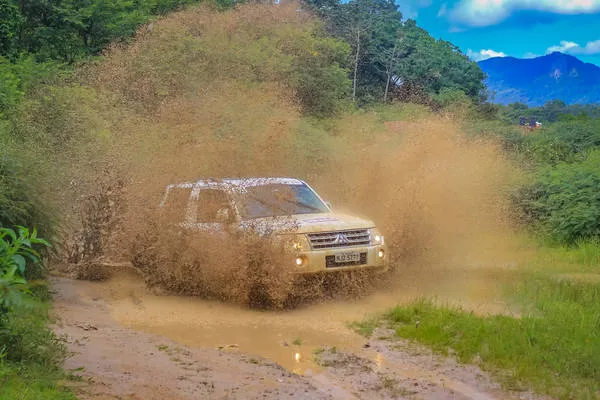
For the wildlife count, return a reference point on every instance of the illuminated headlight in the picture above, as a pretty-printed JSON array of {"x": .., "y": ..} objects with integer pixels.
[
  {"x": 300, "y": 243},
  {"x": 381, "y": 253},
  {"x": 376, "y": 237},
  {"x": 299, "y": 261}
]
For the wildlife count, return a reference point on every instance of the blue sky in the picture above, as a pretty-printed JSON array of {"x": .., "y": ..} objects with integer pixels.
[{"x": 518, "y": 28}]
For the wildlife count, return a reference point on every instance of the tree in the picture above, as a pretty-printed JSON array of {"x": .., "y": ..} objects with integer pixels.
[
  {"x": 436, "y": 64},
  {"x": 10, "y": 24},
  {"x": 389, "y": 60},
  {"x": 392, "y": 56},
  {"x": 368, "y": 26},
  {"x": 318, "y": 74},
  {"x": 101, "y": 21}
]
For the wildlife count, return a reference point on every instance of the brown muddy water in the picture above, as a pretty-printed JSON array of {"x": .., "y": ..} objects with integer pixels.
[{"x": 290, "y": 337}]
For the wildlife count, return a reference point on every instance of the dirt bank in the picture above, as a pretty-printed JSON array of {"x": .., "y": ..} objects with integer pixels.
[{"x": 127, "y": 343}]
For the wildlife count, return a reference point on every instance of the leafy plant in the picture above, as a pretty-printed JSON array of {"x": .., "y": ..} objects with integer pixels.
[{"x": 16, "y": 252}]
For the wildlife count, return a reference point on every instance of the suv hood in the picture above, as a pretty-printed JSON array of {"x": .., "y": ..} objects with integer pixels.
[{"x": 307, "y": 223}]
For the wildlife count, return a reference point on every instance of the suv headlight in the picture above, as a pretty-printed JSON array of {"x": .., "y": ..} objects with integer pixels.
[
  {"x": 300, "y": 243},
  {"x": 376, "y": 237}
]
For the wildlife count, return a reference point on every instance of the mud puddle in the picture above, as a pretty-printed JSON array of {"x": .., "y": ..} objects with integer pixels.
[{"x": 290, "y": 338}]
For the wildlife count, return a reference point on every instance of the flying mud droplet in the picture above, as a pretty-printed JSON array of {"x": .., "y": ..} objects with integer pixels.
[{"x": 439, "y": 197}]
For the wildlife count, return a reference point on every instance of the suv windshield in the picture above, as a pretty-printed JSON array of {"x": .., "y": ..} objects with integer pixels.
[{"x": 277, "y": 199}]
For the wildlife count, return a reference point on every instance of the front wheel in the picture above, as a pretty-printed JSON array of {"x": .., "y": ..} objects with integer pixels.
[{"x": 258, "y": 296}]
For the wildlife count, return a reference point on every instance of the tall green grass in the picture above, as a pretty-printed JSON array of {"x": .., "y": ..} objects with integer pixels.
[
  {"x": 552, "y": 346},
  {"x": 31, "y": 355},
  {"x": 584, "y": 256}
]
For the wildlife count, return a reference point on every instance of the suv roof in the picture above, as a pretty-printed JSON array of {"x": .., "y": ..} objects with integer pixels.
[{"x": 237, "y": 182}]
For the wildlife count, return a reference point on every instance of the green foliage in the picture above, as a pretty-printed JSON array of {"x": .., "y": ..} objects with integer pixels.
[
  {"x": 15, "y": 208},
  {"x": 554, "y": 346},
  {"x": 71, "y": 29},
  {"x": 32, "y": 382},
  {"x": 30, "y": 355},
  {"x": 19, "y": 76},
  {"x": 582, "y": 257},
  {"x": 564, "y": 141},
  {"x": 436, "y": 64},
  {"x": 10, "y": 87},
  {"x": 318, "y": 74},
  {"x": 552, "y": 111},
  {"x": 577, "y": 135},
  {"x": 27, "y": 338},
  {"x": 297, "y": 56},
  {"x": 456, "y": 102},
  {"x": 565, "y": 200},
  {"x": 16, "y": 253},
  {"x": 560, "y": 201},
  {"x": 390, "y": 58},
  {"x": 21, "y": 202}
]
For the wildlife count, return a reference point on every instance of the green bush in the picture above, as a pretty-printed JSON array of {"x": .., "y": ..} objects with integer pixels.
[
  {"x": 16, "y": 254},
  {"x": 22, "y": 198},
  {"x": 565, "y": 141},
  {"x": 25, "y": 336},
  {"x": 565, "y": 200},
  {"x": 16, "y": 205},
  {"x": 30, "y": 353}
]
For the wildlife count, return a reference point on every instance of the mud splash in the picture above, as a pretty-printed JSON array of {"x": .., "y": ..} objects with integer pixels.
[{"x": 292, "y": 337}]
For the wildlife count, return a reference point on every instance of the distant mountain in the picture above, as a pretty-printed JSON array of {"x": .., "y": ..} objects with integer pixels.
[{"x": 537, "y": 80}]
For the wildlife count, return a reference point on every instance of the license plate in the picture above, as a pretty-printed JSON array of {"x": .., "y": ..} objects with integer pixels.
[{"x": 347, "y": 257}]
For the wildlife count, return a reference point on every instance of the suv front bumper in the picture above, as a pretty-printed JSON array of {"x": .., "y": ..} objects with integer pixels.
[{"x": 323, "y": 261}]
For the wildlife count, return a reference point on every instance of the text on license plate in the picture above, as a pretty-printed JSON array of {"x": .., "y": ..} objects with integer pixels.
[{"x": 353, "y": 256}]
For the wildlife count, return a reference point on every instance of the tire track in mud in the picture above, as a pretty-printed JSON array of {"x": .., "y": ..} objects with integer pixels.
[{"x": 116, "y": 361}]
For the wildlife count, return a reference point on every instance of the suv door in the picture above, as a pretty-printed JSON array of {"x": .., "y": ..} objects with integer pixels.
[
  {"x": 212, "y": 209},
  {"x": 177, "y": 206}
]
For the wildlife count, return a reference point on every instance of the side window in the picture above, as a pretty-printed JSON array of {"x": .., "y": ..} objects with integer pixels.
[
  {"x": 213, "y": 206},
  {"x": 176, "y": 204}
]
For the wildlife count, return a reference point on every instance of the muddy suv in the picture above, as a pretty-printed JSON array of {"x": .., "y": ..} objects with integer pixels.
[{"x": 321, "y": 240}]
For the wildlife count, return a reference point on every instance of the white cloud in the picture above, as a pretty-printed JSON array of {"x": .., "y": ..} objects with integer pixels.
[
  {"x": 529, "y": 54},
  {"x": 565, "y": 46},
  {"x": 410, "y": 8},
  {"x": 455, "y": 29},
  {"x": 443, "y": 10},
  {"x": 479, "y": 13},
  {"x": 484, "y": 54}
]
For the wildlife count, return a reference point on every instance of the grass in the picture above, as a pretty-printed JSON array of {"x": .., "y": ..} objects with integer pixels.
[
  {"x": 33, "y": 382},
  {"x": 583, "y": 257},
  {"x": 367, "y": 326},
  {"x": 31, "y": 356},
  {"x": 553, "y": 347}
]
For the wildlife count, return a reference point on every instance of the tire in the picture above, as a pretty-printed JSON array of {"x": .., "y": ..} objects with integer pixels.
[{"x": 258, "y": 297}]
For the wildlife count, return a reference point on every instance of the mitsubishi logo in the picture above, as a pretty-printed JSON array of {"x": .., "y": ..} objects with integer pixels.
[{"x": 341, "y": 239}]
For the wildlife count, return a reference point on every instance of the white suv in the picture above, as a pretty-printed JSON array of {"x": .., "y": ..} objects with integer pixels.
[{"x": 322, "y": 240}]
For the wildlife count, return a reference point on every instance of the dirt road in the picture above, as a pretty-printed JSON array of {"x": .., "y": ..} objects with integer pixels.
[{"x": 129, "y": 344}]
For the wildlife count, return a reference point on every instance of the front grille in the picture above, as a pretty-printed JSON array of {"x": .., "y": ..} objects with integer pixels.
[
  {"x": 330, "y": 261},
  {"x": 329, "y": 240}
]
